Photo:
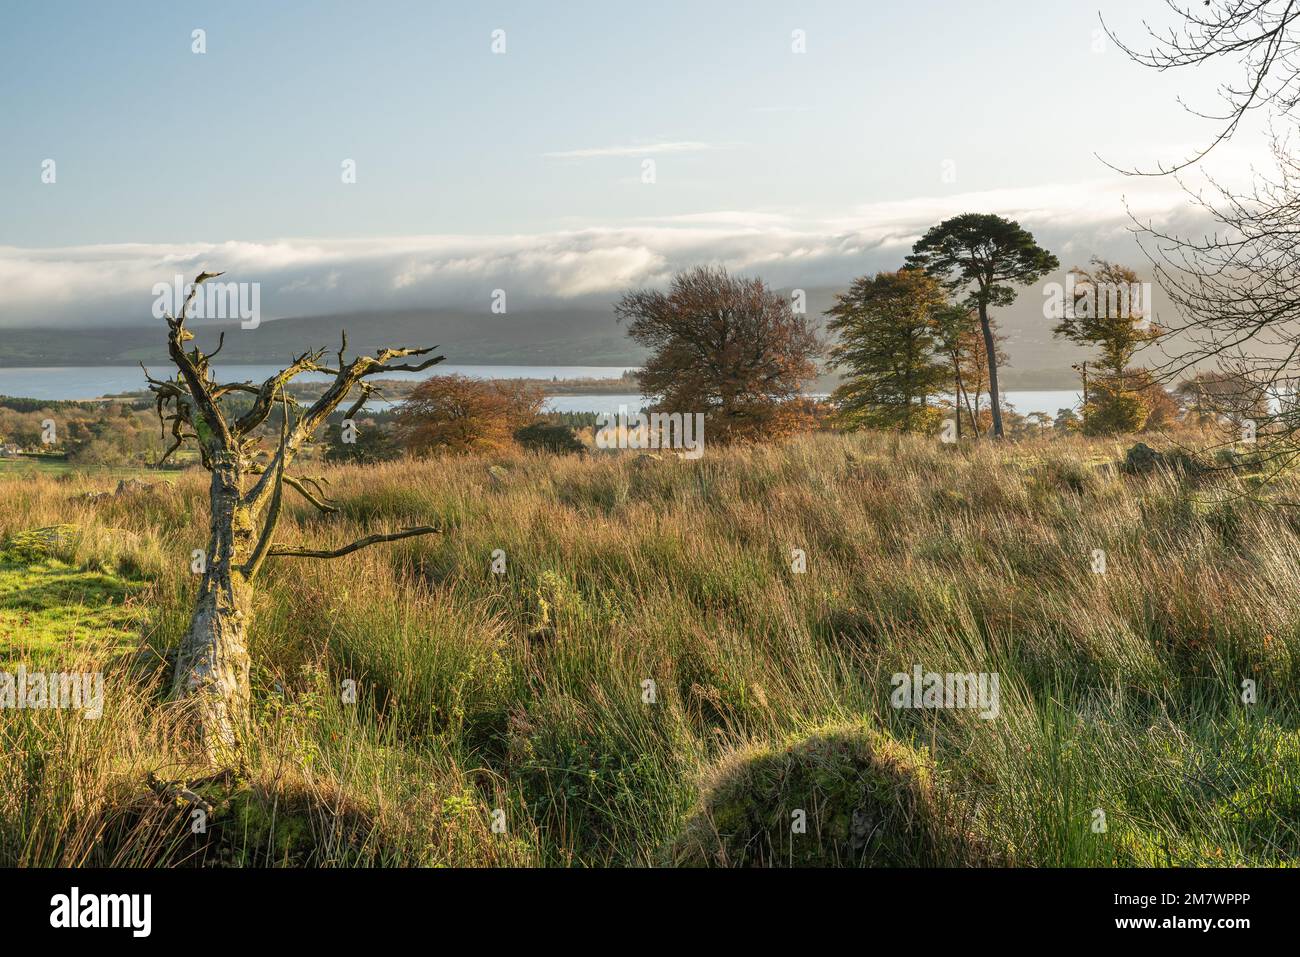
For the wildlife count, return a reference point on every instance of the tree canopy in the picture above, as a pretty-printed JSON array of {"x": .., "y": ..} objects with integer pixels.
[
  {"x": 724, "y": 345},
  {"x": 981, "y": 258},
  {"x": 889, "y": 343}
]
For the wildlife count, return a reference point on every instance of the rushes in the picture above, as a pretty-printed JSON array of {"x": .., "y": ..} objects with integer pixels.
[{"x": 523, "y": 692}]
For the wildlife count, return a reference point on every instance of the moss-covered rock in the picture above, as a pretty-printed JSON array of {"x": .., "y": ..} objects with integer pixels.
[
  {"x": 1142, "y": 459},
  {"x": 863, "y": 799}
]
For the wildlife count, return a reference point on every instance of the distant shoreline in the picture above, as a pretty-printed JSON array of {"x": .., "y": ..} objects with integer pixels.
[{"x": 1039, "y": 380}]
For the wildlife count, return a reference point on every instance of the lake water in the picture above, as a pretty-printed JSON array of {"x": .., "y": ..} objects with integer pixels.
[
  {"x": 1049, "y": 401},
  {"x": 92, "y": 382}
]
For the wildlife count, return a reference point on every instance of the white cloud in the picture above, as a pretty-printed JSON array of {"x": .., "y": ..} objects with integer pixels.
[{"x": 113, "y": 283}]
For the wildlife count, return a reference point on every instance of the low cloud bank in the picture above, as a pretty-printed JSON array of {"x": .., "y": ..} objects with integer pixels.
[{"x": 112, "y": 284}]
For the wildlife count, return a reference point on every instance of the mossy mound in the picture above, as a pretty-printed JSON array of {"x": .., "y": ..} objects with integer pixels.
[
  {"x": 1057, "y": 475},
  {"x": 866, "y": 801},
  {"x": 39, "y": 544},
  {"x": 255, "y": 824}
]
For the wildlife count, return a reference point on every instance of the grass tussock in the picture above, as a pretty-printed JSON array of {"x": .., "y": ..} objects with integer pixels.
[{"x": 652, "y": 655}]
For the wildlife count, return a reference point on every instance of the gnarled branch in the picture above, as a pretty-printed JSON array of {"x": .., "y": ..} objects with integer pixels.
[
  {"x": 277, "y": 500},
  {"x": 193, "y": 367},
  {"x": 359, "y": 544},
  {"x": 268, "y": 390},
  {"x": 346, "y": 377}
]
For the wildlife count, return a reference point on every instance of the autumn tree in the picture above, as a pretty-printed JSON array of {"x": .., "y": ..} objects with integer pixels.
[
  {"x": 1041, "y": 422},
  {"x": 246, "y": 498},
  {"x": 1161, "y": 409},
  {"x": 889, "y": 339},
  {"x": 981, "y": 258},
  {"x": 952, "y": 325},
  {"x": 723, "y": 345},
  {"x": 1067, "y": 421},
  {"x": 1107, "y": 311},
  {"x": 962, "y": 344},
  {"x": 460, "y": 415}
]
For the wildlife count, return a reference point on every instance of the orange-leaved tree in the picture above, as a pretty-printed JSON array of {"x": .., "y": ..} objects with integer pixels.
[
  {"x": 460, "y": 415},
  {"x": 726, "y": 346}
]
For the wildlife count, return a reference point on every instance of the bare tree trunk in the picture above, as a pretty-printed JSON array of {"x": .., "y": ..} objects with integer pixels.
[
  {"x": 213, "y": 664},
  {"x": 974, "y": 411},
  {"x": 1085, "y": 397},
  {"x": 956, "y": 395},
  {"x": 995, "y": 399}
]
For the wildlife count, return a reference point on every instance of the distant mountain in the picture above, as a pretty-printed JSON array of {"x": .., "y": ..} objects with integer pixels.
[
  {"x": 543, "y": 337},
  {"x": 582, "y": 335}
]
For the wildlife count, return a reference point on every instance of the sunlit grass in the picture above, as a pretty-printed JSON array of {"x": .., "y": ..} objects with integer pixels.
[{"x": 525, "y": 693}]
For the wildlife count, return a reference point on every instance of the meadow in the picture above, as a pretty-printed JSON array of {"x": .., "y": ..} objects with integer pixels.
[
  {"x": 31, "y": 467},
  {"x": 656, "y": 678}
]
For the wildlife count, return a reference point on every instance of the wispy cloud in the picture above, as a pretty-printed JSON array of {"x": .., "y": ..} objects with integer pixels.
[
  {"x": 743, "y": 218},
  {"x": 644, "y": 149}
]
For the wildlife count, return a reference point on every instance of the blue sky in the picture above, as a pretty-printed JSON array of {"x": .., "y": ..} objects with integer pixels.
[{"x": 476, "y": 169}]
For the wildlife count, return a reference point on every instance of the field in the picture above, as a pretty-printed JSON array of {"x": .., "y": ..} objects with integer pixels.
[
  {"x": 653, "y": 680},
  {"x": 33, "y": 467}
]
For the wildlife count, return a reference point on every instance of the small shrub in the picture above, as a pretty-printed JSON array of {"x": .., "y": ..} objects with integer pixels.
[
  {"x": 1066, "y": 475},
  {"x": 545, "y": 437},
  {"x": 460, "y": 415}
]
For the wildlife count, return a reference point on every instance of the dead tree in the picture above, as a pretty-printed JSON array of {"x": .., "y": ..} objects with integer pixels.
[{"x": 246, "y": 496}]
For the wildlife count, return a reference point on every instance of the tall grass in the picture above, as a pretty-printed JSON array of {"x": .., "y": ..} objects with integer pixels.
[{"x": 525, "y": 693}]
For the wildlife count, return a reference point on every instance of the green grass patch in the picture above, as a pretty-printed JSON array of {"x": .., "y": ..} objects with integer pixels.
[{"x": 52, "y": 609}]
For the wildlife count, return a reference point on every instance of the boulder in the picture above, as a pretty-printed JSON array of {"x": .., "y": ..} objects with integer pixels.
[{"x": 1142, "y": 459}]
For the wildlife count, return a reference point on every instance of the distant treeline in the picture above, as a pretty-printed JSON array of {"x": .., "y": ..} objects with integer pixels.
[{"x": 20, "y": 404}]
